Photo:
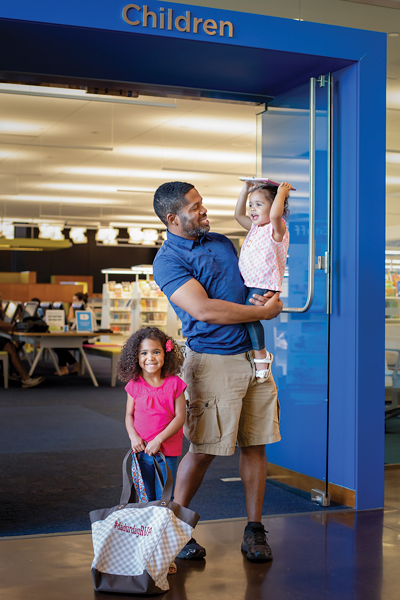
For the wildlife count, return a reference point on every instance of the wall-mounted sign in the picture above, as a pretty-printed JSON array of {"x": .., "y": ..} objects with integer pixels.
[{"x": 168, "y": 19}]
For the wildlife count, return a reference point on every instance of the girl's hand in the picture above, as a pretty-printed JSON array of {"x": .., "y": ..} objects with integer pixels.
[
  {"x": 153, "y": 446},
  {"x": 137, "y": 443},
  {"x": 284, "y": 188}
]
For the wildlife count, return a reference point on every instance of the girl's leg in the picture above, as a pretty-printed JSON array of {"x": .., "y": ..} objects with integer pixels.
[
  {"x": 256, "y": 334},
  {"x": 172, "y": 462},
  {"x": 148, "y": 474}
]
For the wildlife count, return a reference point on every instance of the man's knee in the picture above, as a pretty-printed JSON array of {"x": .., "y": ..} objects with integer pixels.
[
  {"x": 253, "y": 451},
  {"x": 201, "y": 459}
]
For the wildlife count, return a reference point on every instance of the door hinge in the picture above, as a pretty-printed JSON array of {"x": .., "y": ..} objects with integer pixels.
[{"x": 320, "y": 497}]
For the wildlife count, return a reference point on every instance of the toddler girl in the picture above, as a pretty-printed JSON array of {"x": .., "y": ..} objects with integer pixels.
[
  {"x": 156, "y": 407},
  {"x": 263, "y": 255}
]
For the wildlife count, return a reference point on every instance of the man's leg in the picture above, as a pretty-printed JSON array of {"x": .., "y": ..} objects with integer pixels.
[
  {"x": 259, "y": 425},
  {"x": 190, "y": 474},
  {"x": 253, "y": 472}
]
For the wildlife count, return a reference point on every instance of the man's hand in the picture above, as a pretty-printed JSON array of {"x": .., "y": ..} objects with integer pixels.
[
  {"x": 271, "y": 301},
  {"x": 262, "y": 300}
]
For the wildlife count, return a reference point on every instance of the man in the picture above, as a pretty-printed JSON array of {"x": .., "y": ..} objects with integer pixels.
[{"x": 198, "y": 271}]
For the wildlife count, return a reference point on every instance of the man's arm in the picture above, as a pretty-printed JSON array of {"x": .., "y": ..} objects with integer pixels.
[{"x": 193, "y": 299}]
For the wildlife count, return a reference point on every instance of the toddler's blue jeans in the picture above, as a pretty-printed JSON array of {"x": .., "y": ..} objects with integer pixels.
[
  {"x": 255, "y": 329},
  {"x": 153, "y": 488}
]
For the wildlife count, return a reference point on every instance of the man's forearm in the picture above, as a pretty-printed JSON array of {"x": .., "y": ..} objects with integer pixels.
[
  {"x": 221, "y": 312},
  {"x": 192, "y": 298}
]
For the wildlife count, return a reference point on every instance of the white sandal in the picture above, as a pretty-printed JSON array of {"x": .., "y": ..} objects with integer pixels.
[{"x": 262, "y": 376}]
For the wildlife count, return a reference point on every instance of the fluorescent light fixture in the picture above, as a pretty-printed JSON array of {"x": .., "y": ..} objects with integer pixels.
[
  {"x": 51, "y": 232},
  {"x": 393, "y": 252},
  {"x": 57, "y": 199},
  {"x": 150, "y": 236},
  {"x": 171, "y": 153},
  {"x": 28, "y": 128},
  {"x": 212, "y": 125},
  {"x": 120, "y": 173},
  {"x": 7, "y": 230},
  {"x": 116, "y": 271},
  {"x": 77, "y": 235},
  {"x": 136, "y": 235},
  {"x": 142, "y": 269},
  {"x": 107, "y": 235},
  {"x": 395, "y": 262}
]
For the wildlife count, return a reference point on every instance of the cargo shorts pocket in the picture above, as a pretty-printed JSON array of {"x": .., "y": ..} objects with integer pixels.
[{"x": 202, "y": 424}]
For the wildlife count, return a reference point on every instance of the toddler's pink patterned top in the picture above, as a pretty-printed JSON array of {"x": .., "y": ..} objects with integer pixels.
[{"x": 262, "y": 260}]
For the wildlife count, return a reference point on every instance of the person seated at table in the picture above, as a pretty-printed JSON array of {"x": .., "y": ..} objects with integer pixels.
[
  {"x": 7, "y": 345},
  {"x": 65, "y": 358}
]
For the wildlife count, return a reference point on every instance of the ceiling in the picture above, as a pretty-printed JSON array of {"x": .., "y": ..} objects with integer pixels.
[{"x": 87, "y": 162}]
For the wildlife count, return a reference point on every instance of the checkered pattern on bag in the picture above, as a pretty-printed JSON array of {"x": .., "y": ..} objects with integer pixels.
[
  {"x": 175, "y": 537},
  {"x": 132, "y": 540}
]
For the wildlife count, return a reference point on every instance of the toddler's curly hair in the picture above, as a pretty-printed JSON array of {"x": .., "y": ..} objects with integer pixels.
[
  {"x": 269, "y": 192},
  {"x": 128, "y": 363}
]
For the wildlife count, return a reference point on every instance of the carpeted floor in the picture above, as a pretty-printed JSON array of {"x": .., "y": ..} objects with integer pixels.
[{"x": 61, "y": 451}]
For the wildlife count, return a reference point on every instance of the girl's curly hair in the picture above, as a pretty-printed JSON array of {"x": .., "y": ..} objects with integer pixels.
[
  {"x": 269, "y": 192},
  {"x": 128, "y": 363}
]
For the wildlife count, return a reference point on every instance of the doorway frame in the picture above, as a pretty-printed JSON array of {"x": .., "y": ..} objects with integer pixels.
[{"x": 43, "y": 43}]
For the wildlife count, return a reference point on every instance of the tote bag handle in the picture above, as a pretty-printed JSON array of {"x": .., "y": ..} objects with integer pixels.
[{"x": 128, "y": 491}]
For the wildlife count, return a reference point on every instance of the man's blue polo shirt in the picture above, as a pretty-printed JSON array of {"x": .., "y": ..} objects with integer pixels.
[{"x": 213, "y": 262}]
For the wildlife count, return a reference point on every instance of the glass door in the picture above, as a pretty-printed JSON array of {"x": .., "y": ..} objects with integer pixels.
[{"x": 294, "y": 146}]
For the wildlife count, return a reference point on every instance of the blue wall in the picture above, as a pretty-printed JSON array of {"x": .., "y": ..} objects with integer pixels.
[{"x": 86, "y": 40}]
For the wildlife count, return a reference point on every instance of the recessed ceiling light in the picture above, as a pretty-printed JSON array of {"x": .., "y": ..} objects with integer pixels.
[{"x": 393, "y": 34}]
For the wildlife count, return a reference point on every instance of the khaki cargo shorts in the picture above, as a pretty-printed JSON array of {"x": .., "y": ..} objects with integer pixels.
[{"x": 225, "y": 405}]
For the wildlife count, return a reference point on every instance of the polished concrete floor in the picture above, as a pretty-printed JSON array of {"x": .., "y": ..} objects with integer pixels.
[{"x": 340, "y": 555}]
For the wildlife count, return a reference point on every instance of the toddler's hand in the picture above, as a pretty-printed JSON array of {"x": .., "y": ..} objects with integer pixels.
[
  {"x": 137, "y": 443},
  {"x": 153, "y": 447},
  {"x": 284, "y": 188}
]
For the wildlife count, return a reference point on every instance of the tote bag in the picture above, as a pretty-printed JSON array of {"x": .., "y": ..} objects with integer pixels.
[{"x": 135, "y": 543}]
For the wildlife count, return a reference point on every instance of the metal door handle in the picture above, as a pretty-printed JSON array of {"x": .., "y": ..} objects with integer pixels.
[{"x": 311, "y": 204}]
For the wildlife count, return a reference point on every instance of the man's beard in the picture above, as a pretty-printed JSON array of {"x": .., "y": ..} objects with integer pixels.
[{"x": 191, "y": 231}]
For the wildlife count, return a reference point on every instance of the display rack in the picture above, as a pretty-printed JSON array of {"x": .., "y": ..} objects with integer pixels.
[
  {"x": 130, "y": 306},
  {"x": 149, "y": 306},
  {"x": 96, "y": 304},
  {"x": 116, "y": 307}
]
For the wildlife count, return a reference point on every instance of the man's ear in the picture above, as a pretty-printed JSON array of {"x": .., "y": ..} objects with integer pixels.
[{"x": 172, "y": 219}]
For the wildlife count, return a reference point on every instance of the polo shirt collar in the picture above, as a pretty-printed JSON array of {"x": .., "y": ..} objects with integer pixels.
[{"x": 184, "y": 242}]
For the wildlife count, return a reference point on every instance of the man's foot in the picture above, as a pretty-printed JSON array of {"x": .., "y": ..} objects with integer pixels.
[
  {"x": 192, "y": 551},
  {"x": 255, "y": 543},
  {"x": 32, "y": 381}
]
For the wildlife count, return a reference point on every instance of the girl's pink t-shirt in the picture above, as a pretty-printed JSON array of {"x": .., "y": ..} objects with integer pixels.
[{"x": 155, "y": 409}]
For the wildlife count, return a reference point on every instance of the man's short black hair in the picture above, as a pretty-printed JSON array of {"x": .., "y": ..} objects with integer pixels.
[{"x": 170, "y": 198}]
